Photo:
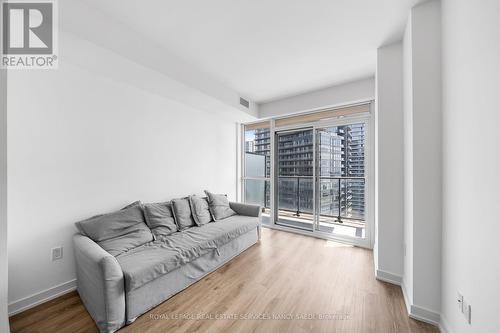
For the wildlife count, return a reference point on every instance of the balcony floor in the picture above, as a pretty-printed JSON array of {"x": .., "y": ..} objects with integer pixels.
[{"x": 330, "y": 225}]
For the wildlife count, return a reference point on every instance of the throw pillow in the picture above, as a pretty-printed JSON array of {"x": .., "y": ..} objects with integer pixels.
[
  {"x": 182, "y": 213},
  {"x": 159, "y": 218},
  {"x": 200, "y": 210},
  {"x": 219, "y": 206},
  {"x": 119, "y": 231}
]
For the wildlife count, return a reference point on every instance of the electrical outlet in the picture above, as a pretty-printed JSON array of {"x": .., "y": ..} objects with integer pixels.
[
  {"x": 460, "y": 301},
  {"x": 467, "y": 312},
  {"x": 57, "y": 253},
  {"x": 464, "y": 307}
]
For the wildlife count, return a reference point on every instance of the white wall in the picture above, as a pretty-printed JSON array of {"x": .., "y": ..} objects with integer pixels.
[
  {"x": 427, "y": 156},
  {"x": 408, "y": 165},
  {"x": 471, "y": 163},
  {"x": 4, "y": 323},
  {"x": 90, "y": 137},
  {"x": 348, "y": 93},
  {"x": 422, "y": 171},
  {"x": 388, "y": 249}
]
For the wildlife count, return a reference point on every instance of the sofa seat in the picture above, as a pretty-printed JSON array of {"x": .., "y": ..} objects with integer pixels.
[{"x": 150, "y": 261}]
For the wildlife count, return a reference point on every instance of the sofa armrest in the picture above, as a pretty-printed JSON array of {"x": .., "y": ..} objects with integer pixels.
[
  {"x": 100, "y": 284},
  {"x": 245, "y": 209}
]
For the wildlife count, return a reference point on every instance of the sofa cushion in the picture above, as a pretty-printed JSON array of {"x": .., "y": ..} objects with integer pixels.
[
  {"x": 78, "y": 224},
  {"x": 119, "y": 231},
  {"x": 160, "y": 219},
  {"x": 219, "y": 206},
  {"x": 199, "y": 209},
  {"x": 150, "y": 261},
  {"x": 182, "y": 213}
]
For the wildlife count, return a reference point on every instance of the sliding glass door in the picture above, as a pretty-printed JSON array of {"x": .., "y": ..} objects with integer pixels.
[
  {"x": 340, "y": 181},
  {"x": 313, "y": 173},
  {"x": 320, "y": 179}
]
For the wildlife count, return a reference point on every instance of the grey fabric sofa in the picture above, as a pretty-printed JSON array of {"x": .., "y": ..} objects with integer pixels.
[{"x": 116, "y": 289}]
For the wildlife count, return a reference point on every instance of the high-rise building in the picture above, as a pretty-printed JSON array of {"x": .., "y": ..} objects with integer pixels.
[
  {"x": 262, "y": 146},
  {"x": 295, "y": 171},
  {"x": 249, "y": 146}
]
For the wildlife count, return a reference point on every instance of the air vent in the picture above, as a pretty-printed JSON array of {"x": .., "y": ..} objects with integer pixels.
[{"x": 244, "y": 102}]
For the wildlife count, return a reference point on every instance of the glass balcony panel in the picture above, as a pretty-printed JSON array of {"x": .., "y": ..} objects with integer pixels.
[
  {"x": 257, "y": 152},
  {"x": 258, "y": 192}
]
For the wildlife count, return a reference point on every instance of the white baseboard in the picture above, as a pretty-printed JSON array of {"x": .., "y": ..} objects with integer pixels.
[
  {"x": 443, "y": 326},
  {"x": 388, "y": 277},
  {"x": 405, "y": 297},
  {"x": 43, "y": 296},
  {"x": 418, "y": 312},
  {"x": 414, "y": 311},
  {"x": 425, "y": 315}
]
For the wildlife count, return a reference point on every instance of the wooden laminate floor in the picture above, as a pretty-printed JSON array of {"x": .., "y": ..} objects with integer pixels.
[{"x": 285, "y": 283}]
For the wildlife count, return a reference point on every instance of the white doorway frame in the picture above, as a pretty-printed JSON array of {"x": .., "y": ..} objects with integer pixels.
[{"x": 368, "y": 120}]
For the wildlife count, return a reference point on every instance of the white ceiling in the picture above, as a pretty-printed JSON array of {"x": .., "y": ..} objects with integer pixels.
[{"x": 269, "y": 49}]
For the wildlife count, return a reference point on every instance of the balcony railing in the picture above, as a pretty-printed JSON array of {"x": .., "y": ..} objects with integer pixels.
[{"x": 343, "y": 197}]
